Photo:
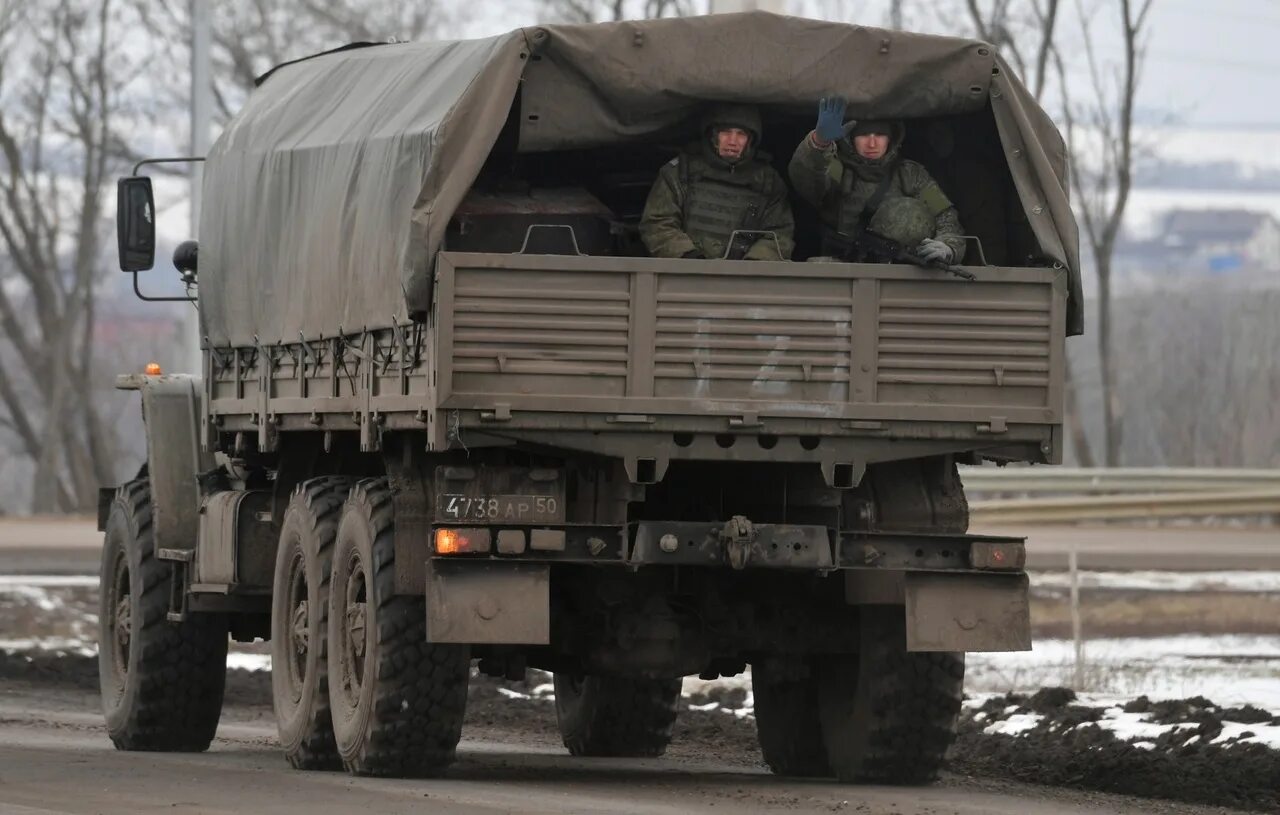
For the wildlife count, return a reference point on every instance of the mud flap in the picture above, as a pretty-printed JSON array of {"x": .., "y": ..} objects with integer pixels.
[
  {"x": 482, "y": 602},
  {"x": 967, "y": 612}
]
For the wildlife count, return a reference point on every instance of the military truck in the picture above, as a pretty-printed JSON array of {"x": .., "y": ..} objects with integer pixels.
[{"x": 452, "y": 420}]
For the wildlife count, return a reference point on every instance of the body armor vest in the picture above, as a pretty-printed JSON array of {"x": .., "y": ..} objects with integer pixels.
[
  {"x": 855, "y": 193},
  {"x": 717, "y": 200}
]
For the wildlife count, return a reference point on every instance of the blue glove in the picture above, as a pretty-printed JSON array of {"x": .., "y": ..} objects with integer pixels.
[{"x": 830, "y": 118}]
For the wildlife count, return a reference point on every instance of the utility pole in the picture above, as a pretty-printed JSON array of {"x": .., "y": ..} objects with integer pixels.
[
  {"x": 201, "y": 117},
  {"x": 895, "y": 14}
]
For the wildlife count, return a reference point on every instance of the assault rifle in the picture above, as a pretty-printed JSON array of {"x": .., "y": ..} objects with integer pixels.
[
  {"x": 746, "y": 235},
  {"x": 872, "y": 247}
]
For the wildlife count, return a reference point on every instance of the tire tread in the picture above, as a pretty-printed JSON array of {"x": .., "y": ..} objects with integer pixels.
[{"x": 181, "y": 670}]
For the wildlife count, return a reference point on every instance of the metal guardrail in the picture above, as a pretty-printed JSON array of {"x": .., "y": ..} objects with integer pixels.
[
  {"x": 1119, "y": 507},
  {"x": 1071, "y": 494},
  {"x": 1115, "y": 480}
]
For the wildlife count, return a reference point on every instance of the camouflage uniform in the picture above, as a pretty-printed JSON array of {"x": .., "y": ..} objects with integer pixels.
[
  {"x": 699, "y": 198},
  {"x": 840, "y": 183}
]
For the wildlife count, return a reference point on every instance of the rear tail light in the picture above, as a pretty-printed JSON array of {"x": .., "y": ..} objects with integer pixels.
[
  {"x": 462, "y": 541},
  {"x": 997, "y": 555}
]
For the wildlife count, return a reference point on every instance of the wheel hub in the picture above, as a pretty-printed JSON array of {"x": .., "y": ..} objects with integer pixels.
[
  {"x": 356, "y": 627},
  {"x": 122, "y": 624},
  {"x": 299, "y": 629},
  {"x": 119, "y": 629}
]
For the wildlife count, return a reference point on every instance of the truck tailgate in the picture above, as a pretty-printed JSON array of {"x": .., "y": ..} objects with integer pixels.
[{"x": 611, "y": 335}]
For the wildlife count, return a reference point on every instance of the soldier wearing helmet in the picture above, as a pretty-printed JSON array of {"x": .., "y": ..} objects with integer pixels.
[
  {"x": 719, "y": 185},
  {"x": 850, "y": 171}
]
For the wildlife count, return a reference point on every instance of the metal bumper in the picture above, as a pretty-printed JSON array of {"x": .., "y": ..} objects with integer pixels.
[
  {"x": 740, "y": 544},
  {"x": 959, "y": 592}
]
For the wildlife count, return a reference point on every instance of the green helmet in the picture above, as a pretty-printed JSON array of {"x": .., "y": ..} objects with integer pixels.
[
  {"x": 725, "y": 115},
  {"x": 905, "y": 220}
]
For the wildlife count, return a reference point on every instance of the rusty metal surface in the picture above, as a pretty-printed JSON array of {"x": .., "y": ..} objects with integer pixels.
[
  {"x": 916, "y": 552},
  {"x": 967, "y": 612},
  {"x": 778, "y": 546},
  {"x": 501, "y": 603}
]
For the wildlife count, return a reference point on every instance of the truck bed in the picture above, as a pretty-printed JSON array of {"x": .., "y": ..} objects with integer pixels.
[{"x": 595, "y": 353}]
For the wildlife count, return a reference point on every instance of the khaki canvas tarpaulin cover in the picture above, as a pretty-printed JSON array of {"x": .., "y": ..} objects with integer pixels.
[{"x": 327, "y": 196}]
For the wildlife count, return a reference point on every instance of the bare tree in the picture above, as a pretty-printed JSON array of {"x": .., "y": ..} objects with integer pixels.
[
  {"x": 61, "y": 83},
  {"x": 1102, "y": 177},
  {"x": 598, "y": 11},
  {"x": 252, "y": 36},
  {"x": 1100, "y": 142},
  {"x": 1027, "y": 35},
  {"x": 1202, "y": 356},
  {"x": 1024, "y": 31}
]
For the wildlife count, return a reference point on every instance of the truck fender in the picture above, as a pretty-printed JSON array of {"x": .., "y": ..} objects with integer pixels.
[{"x": 171, "y": 408}]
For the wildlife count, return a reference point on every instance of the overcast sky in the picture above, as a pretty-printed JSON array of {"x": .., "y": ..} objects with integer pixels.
[{"x": 1210, "y": 62}]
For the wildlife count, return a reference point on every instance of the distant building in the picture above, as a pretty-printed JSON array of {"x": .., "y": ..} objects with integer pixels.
[{"x": 1221, "y": 240}]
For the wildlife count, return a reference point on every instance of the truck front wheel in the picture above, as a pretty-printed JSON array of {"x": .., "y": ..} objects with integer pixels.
[
  {"x": 161, "y": 681},
  {"x": 300, "y": 623},
  {"x": 397, "y": 700},
  {"x": 888, "y": 715},
  {"x": 616, "y": 716}
]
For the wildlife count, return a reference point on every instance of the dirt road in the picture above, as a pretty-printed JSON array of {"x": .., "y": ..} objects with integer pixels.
[
  {"x": 55, "y": 759},
  {"x": 72, "y": 546}
]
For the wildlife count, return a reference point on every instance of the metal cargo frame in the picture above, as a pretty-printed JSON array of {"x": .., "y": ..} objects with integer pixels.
[{"x": 601, "y": 353}]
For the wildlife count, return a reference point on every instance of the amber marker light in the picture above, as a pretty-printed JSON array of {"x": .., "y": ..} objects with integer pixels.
[
  {"x": 462, "y": 541},
  {"x": 152, "y": 369}
]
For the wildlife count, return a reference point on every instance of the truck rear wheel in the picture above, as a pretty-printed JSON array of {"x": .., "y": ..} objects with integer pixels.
[
  {"x": 616, "y": 716},
  {"x": 300, "y": 623},
  {"x": 888, "y": 715},
  {"x": 397, "y": 700},
  {"x": 161, "y": 682},
  {"x": 787, "y": 720}
]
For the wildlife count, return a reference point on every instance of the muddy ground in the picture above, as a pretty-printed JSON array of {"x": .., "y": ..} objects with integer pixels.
[{"x": 1063, "y": 750}]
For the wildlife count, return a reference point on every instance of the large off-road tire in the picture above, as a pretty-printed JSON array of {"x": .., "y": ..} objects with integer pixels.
[
  {"x": 888, "y": 715},
  {"x": 616, "y": 716},
  {"x": 787, "y": 719},
  {"x": 397, "y": 701},
  {"x": 300, "y": 623},
  {"x": 161, "y": 682}
]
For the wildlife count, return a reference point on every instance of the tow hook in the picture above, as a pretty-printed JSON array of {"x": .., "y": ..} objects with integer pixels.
[{"x": 738, "y": 536}]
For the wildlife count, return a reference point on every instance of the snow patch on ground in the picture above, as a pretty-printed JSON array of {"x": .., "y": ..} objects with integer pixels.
[
  {"x": 1139, "y": 729},
  {"x": 37, "y": 596},
  {"x": 1163, "y": 581},
  {"x": 238, "y": 660},
  {"x": 1230, "y": 669},
  {"x": 55, "y": 645},
  {"x": 47, "y": 581}
]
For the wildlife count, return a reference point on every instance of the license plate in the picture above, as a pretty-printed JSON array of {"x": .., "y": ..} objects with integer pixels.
[{"x": 501, "y": 508}]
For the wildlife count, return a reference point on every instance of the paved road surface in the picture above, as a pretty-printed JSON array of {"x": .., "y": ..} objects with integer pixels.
[
  {"x": 58, "y": 546},
  {"x": 60, "y": 763}
]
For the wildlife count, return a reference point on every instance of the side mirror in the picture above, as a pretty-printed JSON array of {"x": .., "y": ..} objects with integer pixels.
[{"x": 135, "y": 224}]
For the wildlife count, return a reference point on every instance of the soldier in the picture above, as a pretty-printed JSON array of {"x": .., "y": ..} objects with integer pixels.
[
  {"x": 848, "y": 170},
  {"x": 718, "y": 185}
]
